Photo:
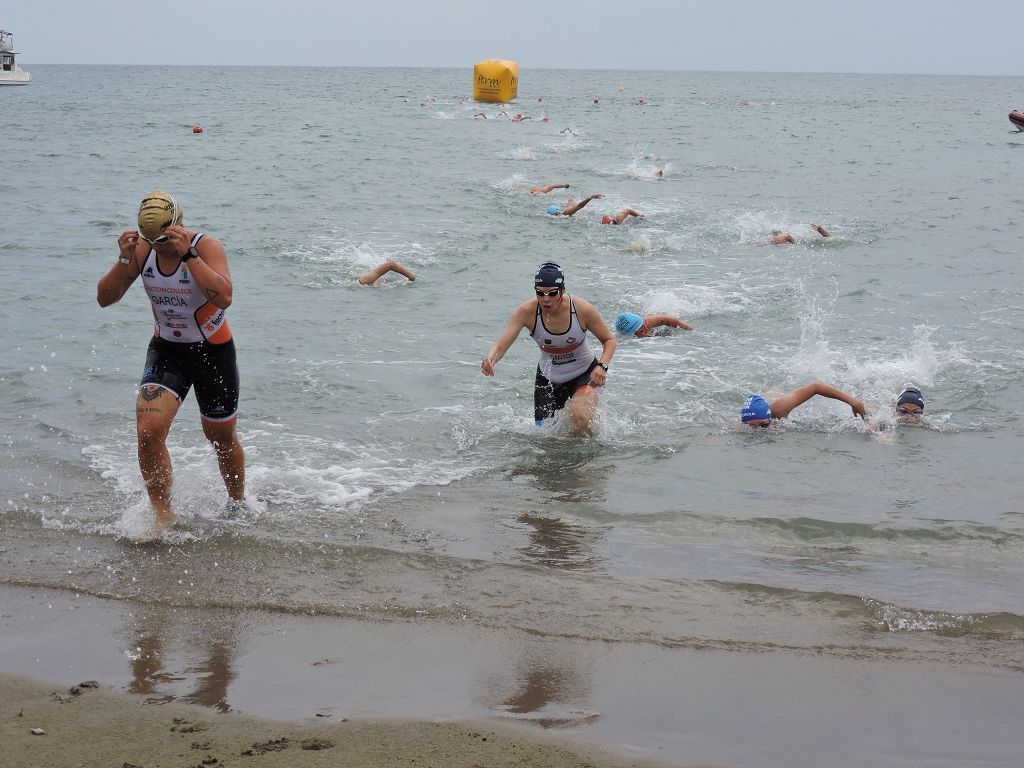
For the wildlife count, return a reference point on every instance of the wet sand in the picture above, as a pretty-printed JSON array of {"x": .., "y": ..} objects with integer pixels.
[
  {"x": 94, "y": 727},
  {"x": 410, "y": 692}
]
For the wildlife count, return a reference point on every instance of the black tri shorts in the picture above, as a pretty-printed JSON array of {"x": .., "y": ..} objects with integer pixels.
[
  {"x": 210, "y": 368},
  {"x": 548, "y": 397}
]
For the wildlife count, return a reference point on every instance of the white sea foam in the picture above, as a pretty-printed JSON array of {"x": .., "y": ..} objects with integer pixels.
[
  {"x": 514, "y": 183},
  {"x": 521, "y": 152}
]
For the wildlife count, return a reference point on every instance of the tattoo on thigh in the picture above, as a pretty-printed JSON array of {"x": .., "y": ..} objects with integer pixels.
[
  {"x": 148, "y": 410},
  {"x": 151, "y": 392}
]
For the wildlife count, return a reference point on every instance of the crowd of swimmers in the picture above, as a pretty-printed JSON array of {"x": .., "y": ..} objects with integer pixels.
[
  {"x": 186, "y": 276},
  {"x": 569, "y": 375}
]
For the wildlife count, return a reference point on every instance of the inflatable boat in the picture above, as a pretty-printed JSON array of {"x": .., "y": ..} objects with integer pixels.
[{"x": 1017, "y": 118}]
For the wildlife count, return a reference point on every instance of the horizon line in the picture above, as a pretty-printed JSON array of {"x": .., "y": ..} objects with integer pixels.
[{"x": 537, "y": 69}]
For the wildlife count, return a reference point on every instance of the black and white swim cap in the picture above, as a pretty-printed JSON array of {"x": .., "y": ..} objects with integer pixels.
[
  {"x": 911, "y": 395},
  {"x": 549, "y": 273}
]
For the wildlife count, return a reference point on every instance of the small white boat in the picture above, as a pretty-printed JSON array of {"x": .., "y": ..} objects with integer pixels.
[{"x": 10, "y": 72}]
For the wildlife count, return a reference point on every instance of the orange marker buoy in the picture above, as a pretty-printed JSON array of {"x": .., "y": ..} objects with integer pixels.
[{"x": 197, "y": 129}]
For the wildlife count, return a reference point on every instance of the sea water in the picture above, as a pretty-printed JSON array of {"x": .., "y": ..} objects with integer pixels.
[{"x": 389, "y": 478}]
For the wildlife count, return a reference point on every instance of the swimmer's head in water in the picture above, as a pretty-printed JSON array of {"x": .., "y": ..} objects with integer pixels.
[
  {"x": 628, "y": 323},
  {"x": 606, "y": 219},
  {"x": 554, "y": 210},
  {"x": 549, "y": 274},
  {"x": 756, "y": 411},
  {"x": 908, "y": 398},
  {"x": 157, "y": 211}
]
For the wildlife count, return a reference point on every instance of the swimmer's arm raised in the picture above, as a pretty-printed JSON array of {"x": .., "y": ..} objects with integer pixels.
[
  {"x": 548, "y": 188},
  {"x": 571, "y": 209},
  {"x": 380, "y": 270},
  {"x": 210, "y": 271},
  {"x": 655, "y": 321},
  {"x": 782, "y": 406},
  {"x": 518, "y": 321},
  {"x": 119, "y": 278}
]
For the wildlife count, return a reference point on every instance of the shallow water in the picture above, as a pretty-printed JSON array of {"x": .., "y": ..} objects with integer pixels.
[{"x": 390, "y": 478}]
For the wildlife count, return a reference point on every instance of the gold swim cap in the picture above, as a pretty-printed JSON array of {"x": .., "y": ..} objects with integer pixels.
[{"x": 156, "y": 211}]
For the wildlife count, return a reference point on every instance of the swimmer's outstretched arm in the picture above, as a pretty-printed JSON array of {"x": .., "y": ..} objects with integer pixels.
[
  {"x": 625, "y": 213},
  {"x": 821, "y": 230},
  {"x": 548, "y": 188},
  {"x": 520, "y": 319},
  {"x": 655, "y": 321},
  {"x": 781, "y": 407},
  {"x": 380, "y": 270},
  {"x": 571, "y": 209}
]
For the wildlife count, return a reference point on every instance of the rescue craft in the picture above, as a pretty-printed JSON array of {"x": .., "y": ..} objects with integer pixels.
[
  {"x": 10, "y": 72},
  {"x": 1017, "y": 118}
]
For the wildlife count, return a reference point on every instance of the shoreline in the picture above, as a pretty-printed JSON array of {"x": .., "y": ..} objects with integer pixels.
[{"x": 427, "y": 690}]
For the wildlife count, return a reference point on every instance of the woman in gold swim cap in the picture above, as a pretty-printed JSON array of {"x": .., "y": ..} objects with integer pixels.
[{"x": 186, "y": 277}]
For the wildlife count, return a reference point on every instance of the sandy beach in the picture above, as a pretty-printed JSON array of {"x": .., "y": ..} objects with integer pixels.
[
  {"x": 91, "y": 726},
  {"x": 177, "y": 687},
  {"x": 96, "y": 727}
]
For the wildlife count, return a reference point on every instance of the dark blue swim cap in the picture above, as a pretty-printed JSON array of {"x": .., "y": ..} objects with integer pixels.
[
  {"x": 755, "y": 408},
  {"x": 549, "y": 273},
  {"x": 911, "y": 395}
]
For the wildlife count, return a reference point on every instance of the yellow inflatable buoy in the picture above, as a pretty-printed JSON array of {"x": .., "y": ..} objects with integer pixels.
[
  {"x": 496, "y": 80},
  {"x": 621, "y": 89}
]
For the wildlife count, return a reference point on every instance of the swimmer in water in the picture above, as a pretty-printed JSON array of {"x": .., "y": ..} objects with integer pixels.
[
  {"x": 570, "y": 206},
  {"x": 375, "y": 275},
  {"x": 779, "y": 237},
  {"x": 568, "y": 132},
  {"x": 621, "y": 216},
  {"x": 569, "y": 374},
  {"x": 632, "y": 324},
  {"x": 757, "y": 412},
  {"x": 548, "y": 188},
  {"x": 910, "y": 405}
]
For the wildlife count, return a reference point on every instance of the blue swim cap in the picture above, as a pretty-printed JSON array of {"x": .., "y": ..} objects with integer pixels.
[
  {"x": 755, "y": 408},
  {"x": 553, "y": 209},
  {"x": 628, "y": 322},
  {"x": 911, "y": 395}
]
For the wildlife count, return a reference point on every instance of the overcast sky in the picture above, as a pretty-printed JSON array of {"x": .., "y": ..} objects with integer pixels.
[{"x": 898, "y": 36}]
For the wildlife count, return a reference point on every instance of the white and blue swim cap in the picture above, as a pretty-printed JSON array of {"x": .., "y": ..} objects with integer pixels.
[
  {"x": 755, "y": 408},
  {"x": 628, "y": 323},
  {"x": 553, "y": 210},
  {"x": 911, "y": 395},
  {"x": 550, "y": 274}
]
